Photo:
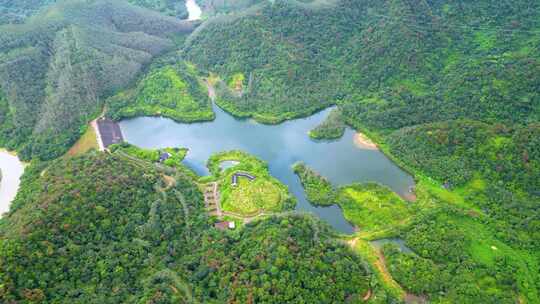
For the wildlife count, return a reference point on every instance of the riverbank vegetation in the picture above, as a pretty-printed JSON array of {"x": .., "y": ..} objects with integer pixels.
[
  {"x": 319, "y": 191},
  {"x": 333, "y": 127},
  {"x": 372, "y": 207},
  {"x": 172, "y": 91},
  {"x": 174, "y": 156},
  {"x": 249, "y": 197}
]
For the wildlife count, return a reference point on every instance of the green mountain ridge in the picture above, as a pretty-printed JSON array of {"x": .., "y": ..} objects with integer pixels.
[
  {"x": 448, "y": 90},
  {"x": 56, "y": 68}
]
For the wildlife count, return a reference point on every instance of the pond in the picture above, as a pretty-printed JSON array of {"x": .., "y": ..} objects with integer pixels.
[
  {"x": 11, "y": 169},
  {"x": 341, "y": 161}
]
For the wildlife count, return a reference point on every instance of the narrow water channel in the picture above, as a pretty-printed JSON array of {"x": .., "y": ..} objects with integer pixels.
[
  {"x": 341, "y": 161},
  {"x": 11, "y": 170}
]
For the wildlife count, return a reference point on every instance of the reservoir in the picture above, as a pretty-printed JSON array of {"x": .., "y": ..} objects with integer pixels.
[
  {"x": 11, "y": 169},
  {"x": 341, "y": 161}
]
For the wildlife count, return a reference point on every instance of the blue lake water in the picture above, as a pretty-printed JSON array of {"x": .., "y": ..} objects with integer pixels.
[{"x": 341, "y": 161}]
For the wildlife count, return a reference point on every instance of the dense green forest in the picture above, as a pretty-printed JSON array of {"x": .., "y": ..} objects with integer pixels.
[
  {"x": 56, "y": 68},
  {"x": 106, "y": 228},
  {"x": 319, "y": 191},
  {"x": 332, "y": 128},
  {"x": 448, "y": 89}
]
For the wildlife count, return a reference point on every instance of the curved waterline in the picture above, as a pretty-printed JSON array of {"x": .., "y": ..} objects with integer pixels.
[
  {"x": 11, "y": 169},
  {"x": 341, "y": 161}
]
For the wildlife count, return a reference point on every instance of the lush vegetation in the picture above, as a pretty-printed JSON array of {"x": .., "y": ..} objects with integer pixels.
[
  {"x": 456, "y": 259},
  {"x": 170, "y": 91},
  {"x": 332, "y": 128},
  {"x": 103, "y": 227},
  {"x": 96, "y": 228},
  {"x": 174, "y": 155},
  {"x": 319, "y": 191},
  {"x": 56, "y": 69},
  {"x": 264, "y": 194},
  {"x": 372, "y": 207},
  {"x": 387, "y": 64},
  {"x": 291, "y": 259},
  {"x": 449, "y": 90}
]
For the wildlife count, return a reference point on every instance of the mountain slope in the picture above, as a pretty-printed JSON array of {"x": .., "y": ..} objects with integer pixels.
[
  {"x": 108, "y": 228},
  {"x": 56, "y": 68},
  {"x": 392, "y": 64}
]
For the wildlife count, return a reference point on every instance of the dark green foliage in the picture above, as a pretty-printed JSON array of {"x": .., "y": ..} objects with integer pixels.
[
  {"x": 388, "y": 64},
  {"x": 332, "y": 128},
  {"x": 104, "y": 228},
  {"x": 14, "y": 12},
  {"x": 55, "y": 70},
  {"x": 92, "y": 229},
  {"x": 457, "y": 259},
  {"x": 319, "y": 191},
  {"x": 289, "y": 259},
  {"x": 504, "y": 161}
]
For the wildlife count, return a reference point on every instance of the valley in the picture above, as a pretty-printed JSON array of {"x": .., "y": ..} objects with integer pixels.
[{"x": 269, "y": 151}]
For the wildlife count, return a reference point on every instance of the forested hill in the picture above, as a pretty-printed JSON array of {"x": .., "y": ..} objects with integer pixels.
[
  {"x": 104, "y": 228},
  {"x": 56, "y": 68},
  {"x": 395, "y": 63}
]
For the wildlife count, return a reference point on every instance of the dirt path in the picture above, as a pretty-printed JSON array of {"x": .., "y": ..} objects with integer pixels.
[
  {"x": 211, "y": 90},
  {"x": 376, "y": 258},
  {"x": 93, "y": 124}
]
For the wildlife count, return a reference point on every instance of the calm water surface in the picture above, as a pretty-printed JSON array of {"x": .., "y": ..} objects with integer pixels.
[
  {"x": 11, "y": 169},
  {"x": 341, "y": 161}
]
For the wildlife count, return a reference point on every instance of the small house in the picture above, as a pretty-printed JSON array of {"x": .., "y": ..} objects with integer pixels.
[{"x": 225, "y": 225}]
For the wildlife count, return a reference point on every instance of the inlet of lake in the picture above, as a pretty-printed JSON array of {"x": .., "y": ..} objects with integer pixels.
[
  {"x": 11, "y": 169},
  {"x": 341, "y": 161}
]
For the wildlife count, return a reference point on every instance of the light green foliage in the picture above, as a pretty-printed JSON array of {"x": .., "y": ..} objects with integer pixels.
[
  {"x": 264, "y": 194},
  {"x": 170, "y": 91},
  {"x": 319, "y": 191},
  {"x": 373, "y": 207},
  {"x": 333, "y": 127},
  {"x": 456, "y": 253}
]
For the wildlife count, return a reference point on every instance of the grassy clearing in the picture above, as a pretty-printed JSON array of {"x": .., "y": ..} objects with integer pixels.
[
  {"x": 373, "y": 207},
  {"x": 249, "y": 198},
  {"x": 86, "y": 143},
  {"x": 171, "y": 91},
  {"x": 377, "y": 264}
]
